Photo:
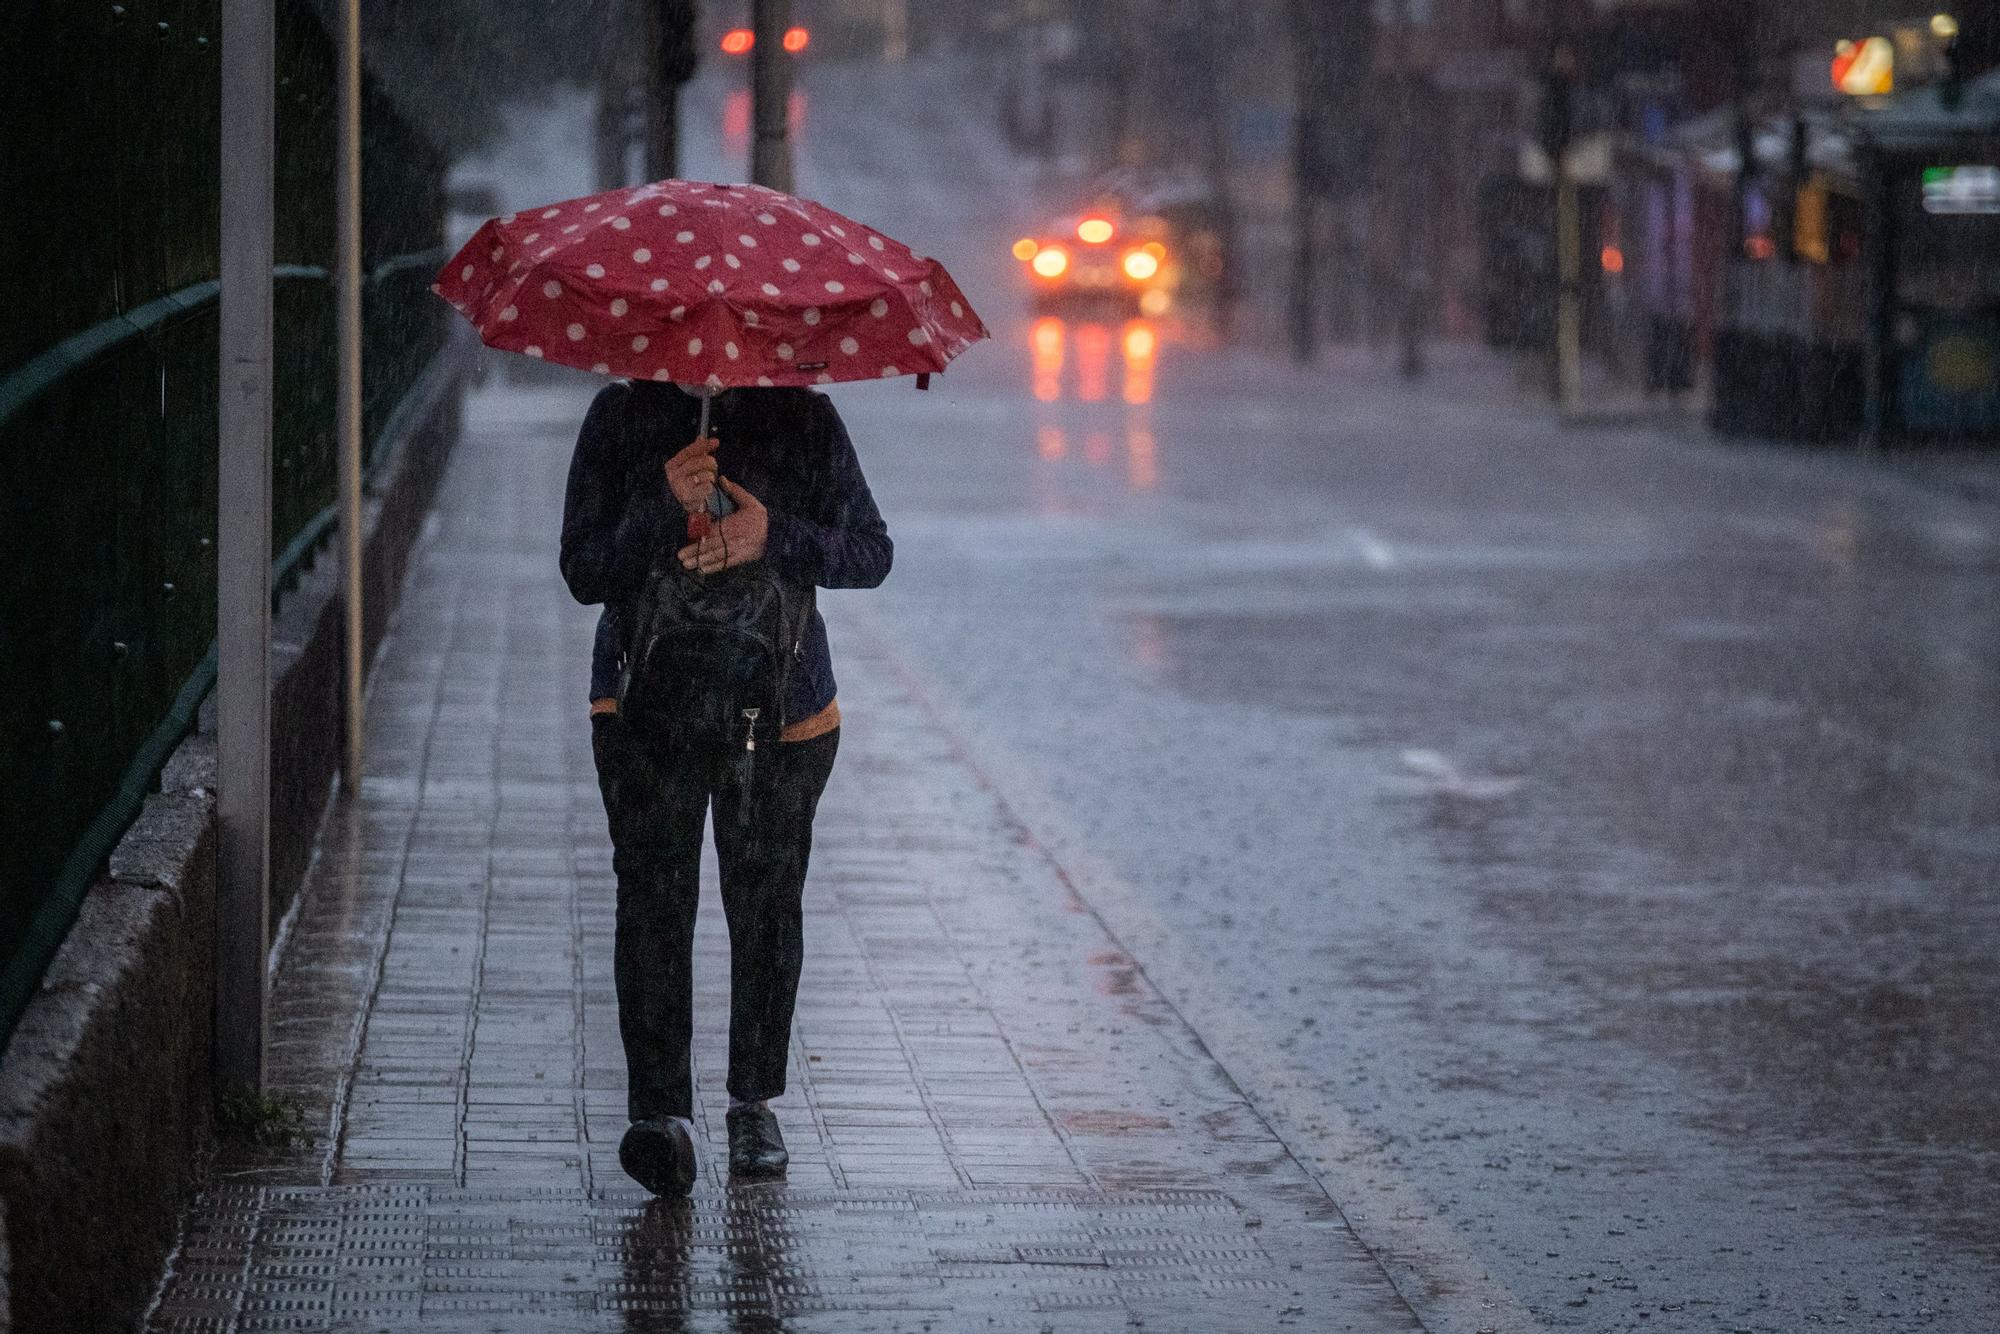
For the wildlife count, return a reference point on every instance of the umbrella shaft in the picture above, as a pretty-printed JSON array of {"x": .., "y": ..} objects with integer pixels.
[{"x": 718, "y": 502}]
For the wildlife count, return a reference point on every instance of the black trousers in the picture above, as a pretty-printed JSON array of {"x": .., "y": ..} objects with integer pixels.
[{"x": 657, "y": 792}]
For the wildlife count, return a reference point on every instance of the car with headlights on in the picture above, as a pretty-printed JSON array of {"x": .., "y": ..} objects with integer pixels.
[{"x": 1100, "y": 259}]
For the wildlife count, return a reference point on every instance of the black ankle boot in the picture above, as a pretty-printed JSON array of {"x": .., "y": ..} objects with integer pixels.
[{"x": 756, "y": 1149}]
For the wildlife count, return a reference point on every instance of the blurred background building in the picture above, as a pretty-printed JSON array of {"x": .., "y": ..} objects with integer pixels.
[
  {"x": 1751, "y": 237},
  {"x": 1782, "y": 211}
]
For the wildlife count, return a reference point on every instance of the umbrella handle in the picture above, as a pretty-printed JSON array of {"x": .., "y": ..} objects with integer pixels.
[
  {"x": 718, "y": 502},
  {"x": 715, "y": 496}
]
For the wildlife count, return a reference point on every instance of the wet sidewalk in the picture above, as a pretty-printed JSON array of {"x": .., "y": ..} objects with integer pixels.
[{"x": 995, "y": 1122}]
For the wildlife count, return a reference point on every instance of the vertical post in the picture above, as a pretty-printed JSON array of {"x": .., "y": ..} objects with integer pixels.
[
  {"x": 1798, "y": 163},
  {"x": 1305, "y": 271},
  {"x": 1566, "y": 351},
  {"x": 895, "y": 30},
  {"x": 1569, "y": 288},
  {"x": 1116, "y": 63},
  {"x": 771, "y": 95},
  {"x": 1307, "y": 185},
  {"x": 347, "y": 413},
  {"x": 1414, "y": 289},
  {"x": 663, "y": 110},
  {"x": 1218, "y": 127},
  {"x": 243, "y": 540},
  {"x": 1038, "y": 112},
  {"x": 669, "y": 63},
  {"x": 609, "y": 128},
  {"x": 1878, "y": 240}
]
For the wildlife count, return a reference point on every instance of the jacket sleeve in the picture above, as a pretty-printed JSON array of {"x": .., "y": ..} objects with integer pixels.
[
  {"x": 607, "y": 544},
  {"x": 838, "y": 540}
]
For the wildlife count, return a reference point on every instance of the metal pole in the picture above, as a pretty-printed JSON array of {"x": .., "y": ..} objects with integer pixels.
[
  {"x": 1878, "y": 259},
  {"x": 771, "y": 95},
  {"x": 1305, "y": 273},
  {"x": 1569, "y": 288},
  {"x": 1414, "y": 287},
  {"x": 1306, "y": 185},
  {"x": 243, "y": 541},
  {"x": 1566, "y": 350},
  {"x": 1216, "y": 23},
  {"x": 669, "y": 62},
  {"x": 895, "y": 30},
  {"x": 610, "y": 130},
  {"x": 347, "y": 415}
]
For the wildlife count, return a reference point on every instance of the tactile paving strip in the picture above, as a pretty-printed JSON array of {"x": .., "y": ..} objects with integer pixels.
[{"x": 362, "y": 1257}]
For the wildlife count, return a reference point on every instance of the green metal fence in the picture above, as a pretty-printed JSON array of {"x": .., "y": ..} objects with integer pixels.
[{"x": 108, "y": 368}]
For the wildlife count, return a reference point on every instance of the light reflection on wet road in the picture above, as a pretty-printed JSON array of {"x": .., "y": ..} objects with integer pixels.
[
  {"x": 1090, "y": 381},
  {"x": 1583, "y": 844}
]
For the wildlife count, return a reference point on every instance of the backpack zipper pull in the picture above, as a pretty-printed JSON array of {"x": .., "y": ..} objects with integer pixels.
[{"x": 750, "y": 731}]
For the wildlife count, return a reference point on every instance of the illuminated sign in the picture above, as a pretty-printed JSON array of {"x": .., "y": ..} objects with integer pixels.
[
  {"x": 1970, "y": 189},
  {"x": 1865, "y": 68}
]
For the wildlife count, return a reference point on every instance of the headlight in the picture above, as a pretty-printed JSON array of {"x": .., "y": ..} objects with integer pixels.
[
  {"x": 1025, "y": 248},
  {"x": 1050, "y": 261},
  {"x": 1094, "y": 230},
  {"x": 1139, "y": 265}
]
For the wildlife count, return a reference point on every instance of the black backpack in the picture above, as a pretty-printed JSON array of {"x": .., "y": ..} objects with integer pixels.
[{"x": 708, "y": 657}]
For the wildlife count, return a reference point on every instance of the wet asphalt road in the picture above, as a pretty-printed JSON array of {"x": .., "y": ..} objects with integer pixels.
[{"x": 1583, "y": 844}]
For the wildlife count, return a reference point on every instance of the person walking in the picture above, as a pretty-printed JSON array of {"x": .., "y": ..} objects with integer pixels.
[
  {"x": 798, "y": 504},
  {"x": 712, "y": 684}
]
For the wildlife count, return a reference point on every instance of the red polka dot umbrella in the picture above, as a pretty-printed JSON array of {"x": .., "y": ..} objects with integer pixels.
[{"x": 719, "y": 284}]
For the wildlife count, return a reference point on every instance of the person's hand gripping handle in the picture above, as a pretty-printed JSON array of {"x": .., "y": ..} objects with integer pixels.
[
  {"x": 715, "y": 544},
  {"x": 737, "y": 538},
  {"x": 691, "y": 476}
]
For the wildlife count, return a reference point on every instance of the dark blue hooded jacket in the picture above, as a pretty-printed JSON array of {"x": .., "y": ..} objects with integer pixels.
[{"x": 787, "y": 447}]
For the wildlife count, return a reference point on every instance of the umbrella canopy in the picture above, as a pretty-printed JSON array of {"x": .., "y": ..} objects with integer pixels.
[{"x": 723, "y": 285}]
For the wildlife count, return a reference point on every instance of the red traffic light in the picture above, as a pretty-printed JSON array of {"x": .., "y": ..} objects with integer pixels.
[{"x": 740, "y": 41}]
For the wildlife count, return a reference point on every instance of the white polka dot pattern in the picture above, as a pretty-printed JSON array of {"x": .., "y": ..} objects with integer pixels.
[{"x": 757, "y": 287}]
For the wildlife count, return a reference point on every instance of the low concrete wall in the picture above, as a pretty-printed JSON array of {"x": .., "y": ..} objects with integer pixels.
[{"x": 106, "y": 1098}]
